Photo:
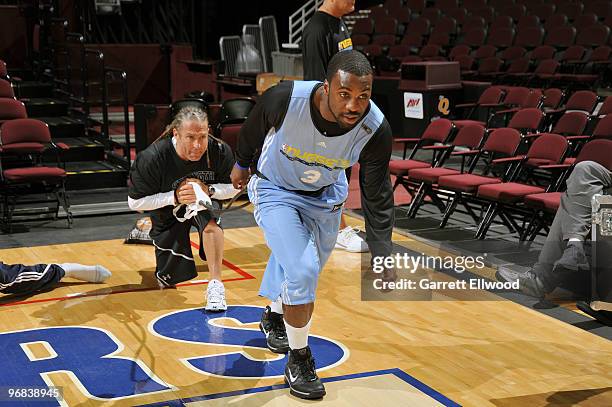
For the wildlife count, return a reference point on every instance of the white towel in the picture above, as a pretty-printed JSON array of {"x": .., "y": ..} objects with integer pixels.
[
  {"x": 225, "y": 191},
  {"x": 201, "y": 204}
]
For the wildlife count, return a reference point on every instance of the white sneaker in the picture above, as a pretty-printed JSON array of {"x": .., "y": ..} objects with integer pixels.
[
  {"x": 215, "y": 296},
  {"x": 349, "y": 240}
]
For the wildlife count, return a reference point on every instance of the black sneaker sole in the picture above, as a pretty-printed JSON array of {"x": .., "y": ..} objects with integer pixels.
[
  {"x": 282, "y": 350},
  {"x": 306, "y": 396},
  {"x": 603, "y": 317}
]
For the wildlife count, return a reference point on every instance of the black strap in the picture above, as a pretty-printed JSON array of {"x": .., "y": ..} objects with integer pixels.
[{"x": 228, "y": 206}]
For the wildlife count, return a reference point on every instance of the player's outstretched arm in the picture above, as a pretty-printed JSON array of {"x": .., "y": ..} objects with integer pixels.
[{"x": 377, "y": 191}]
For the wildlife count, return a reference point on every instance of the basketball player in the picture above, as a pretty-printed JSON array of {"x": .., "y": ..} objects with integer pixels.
[
  {"x": 20, "y": 279},
  {"x": 324, "y": 36},
  {"x": 309, "y": 133},
  {"x": 163, "y": 181}
]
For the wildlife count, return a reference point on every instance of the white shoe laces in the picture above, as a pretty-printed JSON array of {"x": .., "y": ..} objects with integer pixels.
[
  {"x": 215, "y": 293},
  {"x": 349, "y": 231}
]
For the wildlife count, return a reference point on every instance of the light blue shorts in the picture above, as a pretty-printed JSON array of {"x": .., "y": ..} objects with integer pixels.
[{"x": 301, "y": 232}]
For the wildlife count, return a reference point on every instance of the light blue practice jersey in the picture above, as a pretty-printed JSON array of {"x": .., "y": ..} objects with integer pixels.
[{"x": 297, "y": 156}]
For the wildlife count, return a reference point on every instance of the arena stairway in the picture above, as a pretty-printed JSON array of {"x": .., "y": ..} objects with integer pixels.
[{"x": 90, "y": 162}]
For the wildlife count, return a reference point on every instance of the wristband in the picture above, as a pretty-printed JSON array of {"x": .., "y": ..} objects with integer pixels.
[{"x": 240, "y": 166}]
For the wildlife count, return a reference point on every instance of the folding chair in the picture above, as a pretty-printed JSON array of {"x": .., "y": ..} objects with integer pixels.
[
  {"x": 503, "y": 198},
  {"x": 502, "y": 142},
  {"x": 552, "y": 99},
  {"x": 21, "y": 172},
  {"x": 470, "y": 137},
  {"x": 489, "y": 99},
  {"x": 438, "y": 131}
]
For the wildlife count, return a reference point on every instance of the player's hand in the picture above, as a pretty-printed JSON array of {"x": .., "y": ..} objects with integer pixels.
[
  {"x": 239, "y": 177},
  {"x": 185, "y": 193}
]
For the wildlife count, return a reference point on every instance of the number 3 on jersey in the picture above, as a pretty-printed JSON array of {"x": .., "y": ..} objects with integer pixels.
[{"x": 311, "y": 177}]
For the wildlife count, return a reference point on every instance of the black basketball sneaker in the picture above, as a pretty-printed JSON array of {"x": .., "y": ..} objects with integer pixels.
[
  {"x": 301, "y": 376},
  {"x": 273, "y": 326}
]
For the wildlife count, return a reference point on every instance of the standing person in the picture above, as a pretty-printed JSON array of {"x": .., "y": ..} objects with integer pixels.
[
  {"x": 165, "y": 179},
  {"x": 308, "y": 134},
  {"x": 324, "y": 36},
  {"x": 21, "y": 279}
]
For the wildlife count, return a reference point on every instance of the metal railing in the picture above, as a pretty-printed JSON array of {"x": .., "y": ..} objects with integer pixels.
[
  {"x": 110, "y": 73},
  {"x": 298, "y": 20},
  {"x": 88, "y": 79}
]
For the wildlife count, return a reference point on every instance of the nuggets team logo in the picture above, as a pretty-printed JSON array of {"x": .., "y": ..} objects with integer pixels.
[
  {"x": 346, "y": 44},
  {"x": 95, "y": 360},
  {"x": 313, "y": 159}
]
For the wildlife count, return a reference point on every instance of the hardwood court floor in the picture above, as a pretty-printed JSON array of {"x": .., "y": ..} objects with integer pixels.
[{"x": 411, "y": 353}]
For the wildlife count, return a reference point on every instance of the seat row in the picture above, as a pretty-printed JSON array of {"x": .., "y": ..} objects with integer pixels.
[{"x": 504, "y": 172}]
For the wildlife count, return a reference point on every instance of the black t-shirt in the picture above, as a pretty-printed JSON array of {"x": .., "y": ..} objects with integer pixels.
[
  {"x": 374, "y": 179},
  {"x": 323, "y": 37},
  {"x": 159, "y": 169}
]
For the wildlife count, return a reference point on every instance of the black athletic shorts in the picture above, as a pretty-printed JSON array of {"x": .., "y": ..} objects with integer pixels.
[{"x": 173, "y": 254}]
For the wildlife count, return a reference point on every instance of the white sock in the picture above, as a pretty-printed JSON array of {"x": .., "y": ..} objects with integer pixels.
[
  {"x": 92, "y": 274},
  {"x": 277, "y": 306},
  {"x": 575, "y": 239},
  {"x": 298, "y": 337}
]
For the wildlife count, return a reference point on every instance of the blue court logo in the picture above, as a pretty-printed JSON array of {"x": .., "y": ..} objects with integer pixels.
[
  {"x": 89, "y": 354},
  {"x": 199, "y": 327}
]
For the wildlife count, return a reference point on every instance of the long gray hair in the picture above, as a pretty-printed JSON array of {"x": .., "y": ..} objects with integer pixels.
[{"x": 186, "y": 114}]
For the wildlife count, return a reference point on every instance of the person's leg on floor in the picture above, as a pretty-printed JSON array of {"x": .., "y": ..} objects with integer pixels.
[{"x": 21, "y": 279}]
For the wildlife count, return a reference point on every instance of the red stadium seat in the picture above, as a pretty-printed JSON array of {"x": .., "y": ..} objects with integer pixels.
[
  {"x": 571, "y": 124},
  {"x": 560, "y": 36},
  {"x": 490, "y": 98},
  {"x": 500, "y": 37},
  {"x": 474, "y": 37},
  {"x": 11, "y": 109},
  {"x": 527, "y": 120},
  {"x": 547, "y": 149},
  {"x": 529, "y": 37},
  {"x": 552, "y": 99},
  {"x": 27, "y": 139},
  {"x": 501, "y": 142},
  {"x": 6, "y": 89},
  {"x": 512, "y": 53},
  {"x": 571, "y": 10},
  {"x": 554, "y": 21},
  {"x": 469, "y": 137},
  {"x": 593, "y": 36}
]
